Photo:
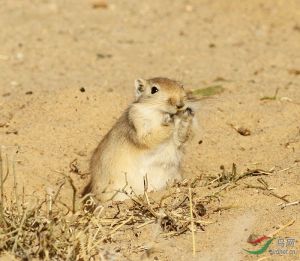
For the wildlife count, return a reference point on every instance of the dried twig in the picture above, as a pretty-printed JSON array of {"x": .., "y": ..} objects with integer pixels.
[
  {"x": 19, "y": 231},
  {"x": 233, "y": 177},
  {"x": 121, "y": 225},
  {"x": 291, "y": 222},
  {"x": 266, "y": 188},
  {"x": 274, "y": 97},
  {"x": 192, "y": 221},
  {"x": 74, "y": 189},
  {"x": 1, "y": 189},
  {"x": 284, "y": 205},
  {"x": 79, "y": 235}
]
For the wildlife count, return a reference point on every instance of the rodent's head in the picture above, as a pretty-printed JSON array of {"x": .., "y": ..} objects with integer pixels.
[{"x": 161, "y": 93}]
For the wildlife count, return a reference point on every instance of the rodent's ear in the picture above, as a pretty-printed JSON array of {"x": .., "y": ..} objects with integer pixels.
[{"x": 140, "y": 86}]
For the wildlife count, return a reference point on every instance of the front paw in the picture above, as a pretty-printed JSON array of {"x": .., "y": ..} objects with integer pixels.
[
  {"x": 167, "y": 119},
  {"x": 189, "y": 111},
  {"x": 187, "y": 114}
]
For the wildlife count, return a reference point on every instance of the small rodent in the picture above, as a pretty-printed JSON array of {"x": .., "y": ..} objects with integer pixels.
[{"x": 147, "y": 140}]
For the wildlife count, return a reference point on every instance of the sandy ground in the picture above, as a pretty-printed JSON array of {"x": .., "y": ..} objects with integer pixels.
[{"x": 51, "y": 49}]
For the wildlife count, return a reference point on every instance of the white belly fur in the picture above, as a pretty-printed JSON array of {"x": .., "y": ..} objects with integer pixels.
[{"x": 160, "y": 165}]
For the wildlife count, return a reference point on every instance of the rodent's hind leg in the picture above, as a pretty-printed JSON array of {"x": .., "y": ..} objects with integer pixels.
[{"x": 183, "y": 126}]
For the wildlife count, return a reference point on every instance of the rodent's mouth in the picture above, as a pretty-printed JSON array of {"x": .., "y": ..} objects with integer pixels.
[
  {"x": 176, "y": 111},
  {"x": 183, "y": 108}
]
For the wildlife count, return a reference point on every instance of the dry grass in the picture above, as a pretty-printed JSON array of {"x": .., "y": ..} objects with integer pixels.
[{"x": 51, "y": 230}]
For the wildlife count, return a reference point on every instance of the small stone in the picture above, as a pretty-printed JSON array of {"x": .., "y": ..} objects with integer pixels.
[
  {"x": 200, "y": 209},
  {"x": 103, "y": 56},
  {"x": 12, "y": 131},
  {"x": 14, "y": 83},
  {"x": 294, "y": 71},
  {"x": 189, "y": 8},
  {"x": 296, "y": 28},
  {"x": 99, "y": 4},
  {"x": 244, "y": 131},
  {"x": 20, "y": 56}
]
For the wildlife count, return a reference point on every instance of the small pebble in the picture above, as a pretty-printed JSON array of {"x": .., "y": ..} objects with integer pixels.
[
  {"x": 20, "y": 56},
  {"x": 189, "y": 8},
  {"x": 14, "y": 83},
  {"x": 201, "y": 210},
  {"x": 99, "y": 4},
  {"x": 103, "y": 56},
  {"x": 294, "y": 71},
  {"x": 13, "y": 131},
  {"x": 243, "y": 131}
]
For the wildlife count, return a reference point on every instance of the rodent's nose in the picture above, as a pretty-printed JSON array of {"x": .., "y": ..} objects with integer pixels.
[{"x": 180, "y": 105}]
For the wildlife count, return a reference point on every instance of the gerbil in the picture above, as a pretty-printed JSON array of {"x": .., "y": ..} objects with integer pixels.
[{"x": 146, "y": 140}]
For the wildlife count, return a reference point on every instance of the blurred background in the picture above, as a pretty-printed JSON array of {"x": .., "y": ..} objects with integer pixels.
[{"x": 109, "y": 43}]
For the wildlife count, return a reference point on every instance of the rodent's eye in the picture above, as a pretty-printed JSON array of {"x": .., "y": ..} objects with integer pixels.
[{"x": 154, "y": 90}]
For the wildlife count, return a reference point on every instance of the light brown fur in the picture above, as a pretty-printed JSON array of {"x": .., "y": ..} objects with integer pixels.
[{"x": 146, "y": 140}]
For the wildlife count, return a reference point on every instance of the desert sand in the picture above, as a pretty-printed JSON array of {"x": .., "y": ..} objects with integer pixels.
[{"x": 66, "y": 74}]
